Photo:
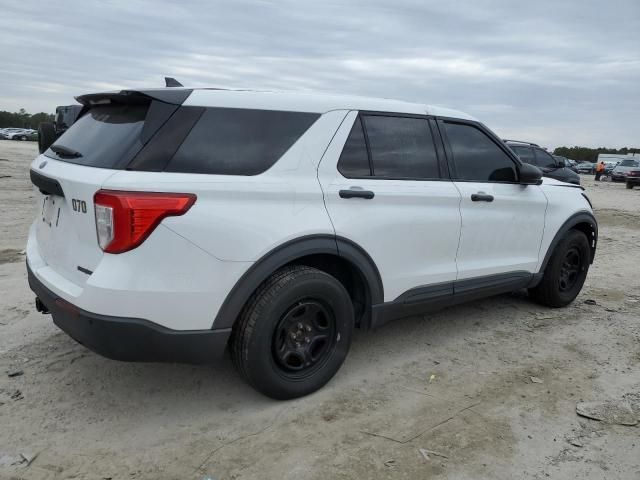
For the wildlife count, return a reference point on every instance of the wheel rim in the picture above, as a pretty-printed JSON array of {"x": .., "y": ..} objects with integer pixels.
[
  {"x": 570, "y": 269},
  {"x": 304, "y": 338}
]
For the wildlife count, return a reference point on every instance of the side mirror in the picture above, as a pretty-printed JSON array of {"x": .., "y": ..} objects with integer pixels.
[
  {"x": 530, "y": 174},
  {"x": 562, "y": 163}
]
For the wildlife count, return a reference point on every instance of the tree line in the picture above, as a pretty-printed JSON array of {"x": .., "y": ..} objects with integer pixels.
[
  {"x": 585, "y": 154},
  {"x": 22, "y": 119}
]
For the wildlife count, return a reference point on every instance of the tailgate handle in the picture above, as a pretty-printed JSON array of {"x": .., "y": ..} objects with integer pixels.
[{"x": 47, "y": 185}]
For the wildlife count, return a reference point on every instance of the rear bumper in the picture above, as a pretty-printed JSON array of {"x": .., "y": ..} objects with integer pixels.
[{"x": 130, "y": 339}]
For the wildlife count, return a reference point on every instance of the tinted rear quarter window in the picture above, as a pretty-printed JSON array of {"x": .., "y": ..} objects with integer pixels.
[
  {"x": 230, "y": 141},
  {"x": 476, "y": 156},
  {"x": 106, "y": 136},
  {"x": 354, "y": 160}
]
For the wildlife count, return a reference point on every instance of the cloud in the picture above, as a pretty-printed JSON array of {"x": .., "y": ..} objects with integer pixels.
[{"x": 551, "y": 72}]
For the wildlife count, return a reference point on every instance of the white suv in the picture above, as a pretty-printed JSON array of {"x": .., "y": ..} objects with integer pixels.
[{"x": 174, "y": 223}]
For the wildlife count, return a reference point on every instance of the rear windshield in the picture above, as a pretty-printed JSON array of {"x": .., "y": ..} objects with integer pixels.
[{"x": 106, "y": 137}]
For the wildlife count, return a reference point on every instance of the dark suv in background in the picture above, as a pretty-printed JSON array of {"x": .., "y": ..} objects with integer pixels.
[{"x": 550, "y": 166}]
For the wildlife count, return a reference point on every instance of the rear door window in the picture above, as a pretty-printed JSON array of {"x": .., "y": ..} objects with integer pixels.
[
  {"x": 231, "y": 141},
  {"x": 476, "y": 156},
  {"x": 401, "y": 147},
  {"x": 106, "y": 136},
  {"x": 390, "y": 147}
]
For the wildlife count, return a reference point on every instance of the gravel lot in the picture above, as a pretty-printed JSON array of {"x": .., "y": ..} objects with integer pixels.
[{"x": 486, "y": 390}]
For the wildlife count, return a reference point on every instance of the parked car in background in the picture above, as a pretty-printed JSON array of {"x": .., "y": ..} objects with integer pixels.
[
  {"x": 551, "y": 167},
  {"x": 7, "y": 133},
  {"x": 567, "y": 162},
  {"x": 586, "y": 167},
  {"x": 619, "y": 173},
  {"x": 633, "y": 178},
  {"x": 17, "y": 133},
  {"x": 48, "y": 132},
  {"x": 609, "y": 166}
]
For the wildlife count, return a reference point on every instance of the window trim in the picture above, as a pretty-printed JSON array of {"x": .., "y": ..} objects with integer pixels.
[
  {"x": 492, "y": 136},
  {"x": 373, "y": 113}
]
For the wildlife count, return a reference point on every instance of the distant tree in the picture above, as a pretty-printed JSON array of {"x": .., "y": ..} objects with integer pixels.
[
  {"x": 22, "y": 119},
  {"x": 586, "y": 154}
]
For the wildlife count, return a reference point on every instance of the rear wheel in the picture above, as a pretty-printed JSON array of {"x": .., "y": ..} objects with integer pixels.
[
  {"x": 294, "y": 333},
  {"x": 566, "y": 271},
  {"x": 629, "y": 186},
  {"x": 23, "y": 137}
]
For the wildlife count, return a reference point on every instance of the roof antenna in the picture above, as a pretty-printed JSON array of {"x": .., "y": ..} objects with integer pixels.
[{"x": 172, "y": 82}]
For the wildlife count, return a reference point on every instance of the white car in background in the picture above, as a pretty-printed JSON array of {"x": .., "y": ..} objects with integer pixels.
[
  {"x": 175, "y": 223},
  {"x": 620, "y": 171},
  {"x": 17, "y": 133}
]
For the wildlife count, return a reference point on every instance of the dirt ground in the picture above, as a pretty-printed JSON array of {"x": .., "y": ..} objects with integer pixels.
[{"x": 483, "y": 390}]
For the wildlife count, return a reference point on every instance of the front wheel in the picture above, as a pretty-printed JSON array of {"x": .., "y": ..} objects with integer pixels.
[
  {"x": 566, "y": 271},
  {"x": 629, "y": 186},
  {"x": 294, "y": 333}
]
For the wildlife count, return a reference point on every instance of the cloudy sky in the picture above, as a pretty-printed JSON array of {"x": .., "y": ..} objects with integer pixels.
[{"x": 553, "y": 72}]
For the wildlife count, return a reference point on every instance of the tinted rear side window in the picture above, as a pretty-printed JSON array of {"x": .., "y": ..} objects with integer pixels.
[
  {"x": 401, "y": 147},
  {"x": 477, "y": 157},
  {"x": 230, "y": 141},
  {"x": 354, "y": 160},
  {"x": 106, "y": 136}
]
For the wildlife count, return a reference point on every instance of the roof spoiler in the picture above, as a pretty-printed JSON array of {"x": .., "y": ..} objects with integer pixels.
[{"x": 171, "y": 96}]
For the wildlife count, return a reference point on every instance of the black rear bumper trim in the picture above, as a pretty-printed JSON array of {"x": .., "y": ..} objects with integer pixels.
[
  {"x": 131, "y": 339},
  {"x": 46, "y": 185}
]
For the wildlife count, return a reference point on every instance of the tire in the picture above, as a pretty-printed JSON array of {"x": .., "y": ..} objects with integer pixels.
[
  {"x": 23, "y": 138},
  {"x": 46, "y": 136},
  {"x": 271, "y": 343},
  {"x": 629, "y": 186},
  {"x": 565, "y": 273}
]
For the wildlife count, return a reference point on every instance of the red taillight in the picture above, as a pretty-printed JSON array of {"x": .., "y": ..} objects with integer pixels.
[{"x": 125, "y": 219}]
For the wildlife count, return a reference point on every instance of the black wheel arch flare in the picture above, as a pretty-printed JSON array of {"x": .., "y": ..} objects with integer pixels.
[
  {"x": 583, "y": 221},
  {"x": 288, "y": 253}
]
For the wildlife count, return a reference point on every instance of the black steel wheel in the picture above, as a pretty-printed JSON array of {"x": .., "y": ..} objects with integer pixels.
[
  {"x": 294, "y": 333},
  {"x": 566, "y": 271},
  {"x": 304, "y": 338},
  {"x": 570, "y": 269}
]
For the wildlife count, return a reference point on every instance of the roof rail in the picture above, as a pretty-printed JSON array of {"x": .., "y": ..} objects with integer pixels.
[{"x": 520, "y": 141}]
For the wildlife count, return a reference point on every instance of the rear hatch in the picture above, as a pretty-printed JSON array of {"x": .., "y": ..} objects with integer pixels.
[{"x": 110, "y": 132}]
